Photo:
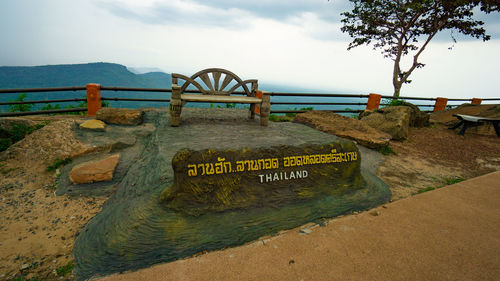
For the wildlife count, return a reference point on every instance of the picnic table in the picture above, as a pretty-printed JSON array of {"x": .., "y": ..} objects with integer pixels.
[{"x": 467, "y": 121}]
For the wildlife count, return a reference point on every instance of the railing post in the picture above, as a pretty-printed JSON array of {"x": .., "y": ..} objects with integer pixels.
[
  {"x": 440, "y": 104},
  {"x": 476, "y": 101},
  {"x": 175, "y": 106},
  {"x": 93, "y": 99},
  {"x": 373, "y": 102}
]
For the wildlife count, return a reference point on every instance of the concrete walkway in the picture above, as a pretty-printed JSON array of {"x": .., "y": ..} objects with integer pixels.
[{"x": 452, "y": 233}]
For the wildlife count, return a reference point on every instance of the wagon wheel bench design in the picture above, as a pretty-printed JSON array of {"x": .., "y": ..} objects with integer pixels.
[{"x": 214, "y": 91}]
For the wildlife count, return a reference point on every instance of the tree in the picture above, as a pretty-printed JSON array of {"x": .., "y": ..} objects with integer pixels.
[
  {"x": 396, "y": 27},
  {"x": 20, "y": 107}
]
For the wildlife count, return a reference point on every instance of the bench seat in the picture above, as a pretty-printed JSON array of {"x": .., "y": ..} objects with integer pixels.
[
  {"x": 219, "y": 99},
  {"x": 466, "y": 121},
  {"x": 219, "y": 87}
]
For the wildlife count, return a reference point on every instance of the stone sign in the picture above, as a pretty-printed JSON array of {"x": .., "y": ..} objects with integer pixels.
[{"x": 218, "y": 180}]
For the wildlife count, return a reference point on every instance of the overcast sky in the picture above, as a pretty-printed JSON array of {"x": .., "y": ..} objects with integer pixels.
[{"x": 289, "y": 42}]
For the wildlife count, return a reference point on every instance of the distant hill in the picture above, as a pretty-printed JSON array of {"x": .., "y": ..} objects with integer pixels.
[
  {"x": 79, "y": 75},
  {"x": 116, "y": 75},
  {"x": 106, "y": 74}
]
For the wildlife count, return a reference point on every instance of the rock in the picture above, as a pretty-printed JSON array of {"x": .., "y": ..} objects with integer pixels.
[
  {"x": 418, "y": 118},
  {"x": 94, "y": 171},
  {"x": 305, "y": 231},
  {"x": 120, "y": 116},
  {"x": 394, "y": 120},
  {"x": 220, "y": 180},
  {"x": 344, "y": 127},
  {"x": 25, "y": 266},
  {"x": 8, "y": 123},
  {"x": 93, "y": 125}
]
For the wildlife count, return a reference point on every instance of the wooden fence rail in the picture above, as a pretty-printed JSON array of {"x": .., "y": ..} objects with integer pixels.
[{"x": 94, "y": 98}]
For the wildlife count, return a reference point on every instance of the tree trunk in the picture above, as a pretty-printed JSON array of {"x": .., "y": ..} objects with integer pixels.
[{"x": 397, "y": 88}]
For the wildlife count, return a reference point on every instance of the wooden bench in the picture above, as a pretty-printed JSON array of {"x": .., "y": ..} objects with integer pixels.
[
  {"x": 215, "y": 81},
  {"x": 467, "y": 121}
]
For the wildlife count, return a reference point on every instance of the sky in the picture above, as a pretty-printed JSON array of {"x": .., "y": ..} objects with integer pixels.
[{"x": 294, "y": 43}]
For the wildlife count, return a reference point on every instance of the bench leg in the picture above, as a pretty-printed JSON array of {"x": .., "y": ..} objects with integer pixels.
[
  {"x": 265, "y": 109},
  {"x": 251, "y": 113},
  {"x": 464, "y": 127},
  {"x": 497, "y": 130},
  {"x": 175, "y": 106},
  {"x": 456, "y": 125}
]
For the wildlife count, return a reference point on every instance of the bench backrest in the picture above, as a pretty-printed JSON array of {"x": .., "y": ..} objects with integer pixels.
[{"x": 221, "y": 79}]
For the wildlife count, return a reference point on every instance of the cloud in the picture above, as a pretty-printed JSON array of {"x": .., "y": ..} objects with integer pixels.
[{"x": 222, "y": 13}]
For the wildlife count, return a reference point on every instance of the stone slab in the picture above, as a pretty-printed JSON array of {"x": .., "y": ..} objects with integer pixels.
[
  {"x": 93, "y": 125},
  {"x": 219, "y": 180},
  {"x": 94, "y": 171}
]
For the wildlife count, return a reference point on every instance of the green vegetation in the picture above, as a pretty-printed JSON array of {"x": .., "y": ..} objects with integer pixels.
[
  {"x": 280, "y": 118},
  {"x": 20, "y": 107},
  {"x": 58, "y": 163},
  {"x": 446, "y": 181},
  {"x": 386, "y": 150},
  {"x": 29, "y": 107},
  {"x": 393, "y": 102},
  {"x": 17, "y": 133},
  {"x": 66, "y": 269},
  {"x": 397, "y": 27}
]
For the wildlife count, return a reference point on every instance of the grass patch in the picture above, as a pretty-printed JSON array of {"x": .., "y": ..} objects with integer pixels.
[
  {"x": 386, "y": 150},
  {"x": 446, "y": 181},
  {"x": 65, "y": 269},
  {"x": 58, "y": 163},
  {"x": 454, "y": 180},
  {"x": 280, "y": 118}
]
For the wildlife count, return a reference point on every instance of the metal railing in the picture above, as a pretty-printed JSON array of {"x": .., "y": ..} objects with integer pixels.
[{"x": 311, "y": 101}]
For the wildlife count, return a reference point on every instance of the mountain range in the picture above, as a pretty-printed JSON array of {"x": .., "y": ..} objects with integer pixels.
[{"x": 107, "y": 74}]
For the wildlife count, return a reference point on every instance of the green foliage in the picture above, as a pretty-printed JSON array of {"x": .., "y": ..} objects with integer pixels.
[
  {"x": 280, "y": 118},
  {"x": 58, "y": 163},
  {"x": 17, "y": 133},
  {"x": 20, "y": 107},
  {"x": 302, "y": 108},
  {"x": 386, "y": 150},
  {"x": 454, "y": 180},
  {"x": 66, "y": 269},
  {"x": 446, "y": 181},
  {"x": 394, "y": 102},
  {"x": 396, "y": 27}
]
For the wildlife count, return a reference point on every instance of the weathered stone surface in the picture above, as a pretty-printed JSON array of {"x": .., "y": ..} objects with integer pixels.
[
  {"x": 394, "y": 120},
  {"x": 94, "y": 171},
  {"x": 345, "y": 127},
  {"x": 8, "y": 123},
  {"x": 93, "y": 125},
  {"x": 120, "y": 116},
  {"x": 217, "y": 180}
]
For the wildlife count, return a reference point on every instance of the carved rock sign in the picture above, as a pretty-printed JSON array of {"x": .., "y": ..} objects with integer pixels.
[{"x": 219, "y": 180}]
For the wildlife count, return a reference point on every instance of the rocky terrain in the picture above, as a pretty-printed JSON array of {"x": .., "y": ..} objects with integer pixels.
[{"x": 38, "y": 227}]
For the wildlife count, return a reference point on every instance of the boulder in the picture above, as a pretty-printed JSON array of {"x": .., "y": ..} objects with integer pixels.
[
  {"x": 394, "y": 120},
  {"x": 94, "y": 171},
  {"x": 344, "y": 127},
  {"x": 93, "y": 125},
  {"x": 120, "y": 116},
  {"x": 418, "y": 118},
  {"x": 8, "y": 123}
]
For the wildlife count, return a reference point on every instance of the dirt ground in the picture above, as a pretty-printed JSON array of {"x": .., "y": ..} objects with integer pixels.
[{"x": 38, "y": 229}]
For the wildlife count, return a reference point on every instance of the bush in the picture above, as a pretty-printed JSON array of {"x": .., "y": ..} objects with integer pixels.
[
  {"x": 20, "y": 107},
  {"x": 17, "y": 133}
]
